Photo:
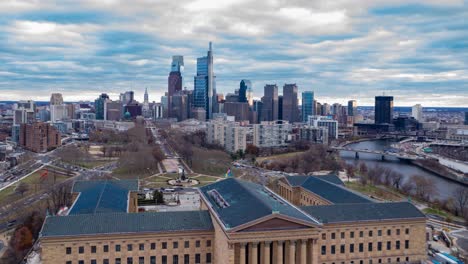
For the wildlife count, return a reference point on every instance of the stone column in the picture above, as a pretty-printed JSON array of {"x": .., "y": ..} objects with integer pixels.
[
  {"x": 253, "y": 253},
  {"x": 303, "y": 251},
  {"x": 242, "y": 253},
  {"x": 315, "y": 251},
  {"x": 309, "y": 251},
  {"x": 291, "y": 253},
  {"x": 278, "y": 252},
  {"x": 265, "y": 255}
]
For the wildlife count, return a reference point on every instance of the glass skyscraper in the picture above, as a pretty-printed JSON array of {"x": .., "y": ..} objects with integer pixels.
[
  {"x": 308, "y": 107},
  {"x": 244, "y": 89},
  {"x": 383, "y": 109},
  {"x": 204, "y": 84}
]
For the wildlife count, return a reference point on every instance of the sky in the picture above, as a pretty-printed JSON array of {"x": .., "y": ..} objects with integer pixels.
[{"x": 416, "y": 51}]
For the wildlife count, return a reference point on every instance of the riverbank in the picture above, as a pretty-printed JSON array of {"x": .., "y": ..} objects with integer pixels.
[{"x": 441, "y": 172}]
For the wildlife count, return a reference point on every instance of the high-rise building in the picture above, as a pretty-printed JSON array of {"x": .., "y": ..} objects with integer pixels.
[
  {"x": 352, "y": 108},
  {"x": 290, "y": 104},
  {"x": 99, "y": 106},
  {"x": 466, "y": 118},
  {"x": 230, "y": 135},
  {"x": 258, "y": 108},
  {"x": 240, "y": 110},
  {"x": 113, "y": 110},
  {"x": 245, "y": 87},
  {"x": 327, "y": 122},
  {"x": 271, "y": 133},
  {"x": 204, "y": 84},
  {"x": 56, "y": 99},
  {"x": 383, "y": 109},
  {"x": 58, "y": 112},
  {"x": 146, "y": 97},
  {"x": 127, "y": 97},
  {"x": 308, "y": 107},
  {"x": 39, "y": 137},
  {"x": 280, "y": 107},
  {"x": 24, "y": 112},
  {"x": 270, "y": 103},
  {"x": 416, "y": 112}
]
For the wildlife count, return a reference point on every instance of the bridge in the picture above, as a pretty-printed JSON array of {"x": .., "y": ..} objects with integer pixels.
[{"x": 379, "y": 152}]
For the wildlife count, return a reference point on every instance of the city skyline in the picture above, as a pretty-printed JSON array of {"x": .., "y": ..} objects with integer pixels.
[{"x": 341, "y": 52}]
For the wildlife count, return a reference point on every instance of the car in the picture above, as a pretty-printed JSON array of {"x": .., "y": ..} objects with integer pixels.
[{"x": 435, "y": 238}]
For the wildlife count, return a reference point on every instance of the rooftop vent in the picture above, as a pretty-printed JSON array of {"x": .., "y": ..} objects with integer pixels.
[{"x": 219, "y": 200}]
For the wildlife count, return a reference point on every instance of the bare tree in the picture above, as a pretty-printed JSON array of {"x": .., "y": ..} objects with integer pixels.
[
  {"x": 396, "y": 179},
  {"x": 21, "y": 188},
  {"x": 425, "y": 188},
  {"x": 59, "y": 196},
  {"x": 461, "y": 201}
]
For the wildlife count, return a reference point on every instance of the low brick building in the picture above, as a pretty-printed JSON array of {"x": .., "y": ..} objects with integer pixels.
[{"x": 239, "y": 222}]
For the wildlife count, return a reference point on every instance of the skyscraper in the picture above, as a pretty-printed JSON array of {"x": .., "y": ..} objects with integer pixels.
[
  {"x": 99, "y": 106},
  {"x": 352, "y": 108},
  {"x": 270, "y": 103},
  {"x": 383, "y": 109},
  {"x": 175, "y": 81},
  {"x": 290, "y": 108},
  {"x": 56, "y": 99},
  {"x": 308, "y": 107},
  {"x": 204, "y": 84},
  {"x": 245, "y": 87},
  {"x": 466, "y": 118},
  {"x": 416, "y": 112},
  {"x": 127, "y": 97},
  {"x": 146, "y": 97}
]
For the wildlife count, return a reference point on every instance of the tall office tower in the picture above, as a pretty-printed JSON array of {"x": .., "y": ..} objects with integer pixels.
[
  {"x": 258, "y": 108},
  {"x": 466, "y": 118},
  {"x": 280, "y": 107},
  {"x": 290, "y": 108},
  {"x": 383, "y": 109},
  {"x": 113, "y": 110},
  {"x": 308, "y": 105},
  {"x": 325, "y": 109},
  {"x": 270, "y": 103},
  {"x": 24, "y": 112},
  {"x": 127, "y": 97},
  {"x": 99, "y": 106},
  {"x": 175, "y": 81},
  {"x": 204, "y": 84},
  {"x": 352, "y": 108},
  {"x": 56, "y": 99},
  {"x": 245, "y": 87},
  {"x": 416, "y": 112},
  {"x": 71, "y": 113}
]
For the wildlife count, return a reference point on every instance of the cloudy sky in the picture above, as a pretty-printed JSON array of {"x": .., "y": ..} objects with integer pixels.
[{"x": 414, "y": 50}]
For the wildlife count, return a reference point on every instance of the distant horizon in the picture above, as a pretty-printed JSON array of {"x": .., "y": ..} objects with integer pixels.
[
  {"x": 370, "y": 106},
  {"x": 339, "y": 49}
]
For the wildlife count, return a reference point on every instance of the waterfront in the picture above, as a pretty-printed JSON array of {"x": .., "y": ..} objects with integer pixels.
[{"x": 445, "y": 188}]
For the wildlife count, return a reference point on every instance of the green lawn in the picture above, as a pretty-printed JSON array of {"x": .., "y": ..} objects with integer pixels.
[
  {"x": 279, "y": 156},
  {"x": 374, "y": 191},
  {"x": 34, "y": 183},
  {"x": 435, "y": 212},
  {"x": 90, "y": 164},
  {"x": 206, "y": 178}
]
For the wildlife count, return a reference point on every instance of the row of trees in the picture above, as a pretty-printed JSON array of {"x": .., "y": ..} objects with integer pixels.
[{"x": 138, "y": 156}]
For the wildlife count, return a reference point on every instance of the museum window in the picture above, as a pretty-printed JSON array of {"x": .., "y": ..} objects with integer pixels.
[
  {"x": 197, "y": 259},
  {"x": 141, "y": 246},
  {"x": 379, "y": 246},
  {"x": 93, "y": 249},
  {"x": 370, "y": 233},
  {"x": 332, "y": 235},
  {"x": 208, "y": 243},
  {"x": 342, "y": 249},
  {"x": 406, "y": 244},
  {"x": 153, "y": 260},
  {"x": 105, "y": 261},
  {"x": 163, "y": 259},
  {"x": 332, "y": 249},
  {"x": 398, "y": 232},
  {"x": 129, "y": 260},
  {"x": 342, "y": 235},
  {"x": 175, "y": 244},
  {"x": 164, "y": 245},
  {"x": 351, "y": 234},
  {"x": 379, "y": 232},
  {"x": 197, "y": 243},
  {"x": 81, "y": 250},
  {"x": 361, "y": 247},
  {"x": 361, "y": 233},
  {"x": 208, "y": 257},
  {"x": 68, "y": 250},
  {"x": 407, "y": 231},
  {"x": 351, "y": 248},
  {"x": 153, "y": 245},
  {"x": 397, "y": 244},
  {"x": 389, "y": 232},
  {"x": 369, "y": 247},
  {"x": 324, "y": 236},
  {"x": 93, "y": 261},
  {"x": 389, "y": 245},
  {"x": 324, "y": 250},
  {"x": 129, "y": 247},
  {"x": 141, "y": 260},
  {"x": 186, "y": 244},
  {"x": 105, "y": 248},
  {"x": 117, "y": 248},
  {"x": 118, "y": 261},
  {"x": 186, "y": 259}
]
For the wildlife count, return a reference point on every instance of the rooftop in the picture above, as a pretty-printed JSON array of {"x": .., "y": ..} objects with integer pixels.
[
  {"x": 102, "y": 196},
  {"x": 325, "y": 187},
  {"x": 337, "y": 213},
  {"x": 120, "y": 223},
  {"x": 238, "y": 202}
]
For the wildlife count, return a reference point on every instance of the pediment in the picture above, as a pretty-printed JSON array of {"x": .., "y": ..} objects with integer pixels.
[{"x": 274, "y": 222}]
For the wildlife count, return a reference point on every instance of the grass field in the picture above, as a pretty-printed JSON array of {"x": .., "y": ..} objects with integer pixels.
[
  {"x": 34, "y": 183},
  {"x": 210, "y": 162},
  {"x": 374, "y": 191},
  {"x": 279, "y": 156}
]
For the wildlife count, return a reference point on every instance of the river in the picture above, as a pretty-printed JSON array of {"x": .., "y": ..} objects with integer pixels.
[{"x": 445, "y": 188}]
